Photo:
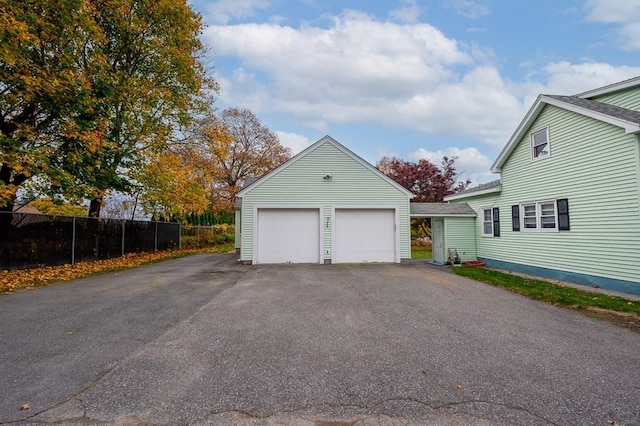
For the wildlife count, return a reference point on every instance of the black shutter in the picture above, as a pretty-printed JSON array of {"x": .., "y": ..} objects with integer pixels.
[
  {"x": 496, "y": 222},
  {"x": 515, "y": 217},
  {"x": 563, "y": 214}
]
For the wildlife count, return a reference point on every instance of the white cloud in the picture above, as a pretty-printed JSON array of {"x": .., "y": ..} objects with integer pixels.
[
  {"x": 472, "y": 9},
  {"x": 409, "y": 12},
  {"x": 625, "y": 13},
  {"x": 411, "y": 76},
  {"x": 470, "y": 163},
  {"x": 565, "y": 78},
  {"x": 223, "y": 11},
  {"x": 293, "y": 141},
  {"x": 363, "y": 70}
]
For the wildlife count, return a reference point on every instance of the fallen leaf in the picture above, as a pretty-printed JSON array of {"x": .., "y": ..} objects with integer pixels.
[{"x": 24, "y": 407}]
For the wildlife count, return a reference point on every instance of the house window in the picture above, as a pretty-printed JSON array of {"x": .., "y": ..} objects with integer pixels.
[
  {"x": 487, "y": 223},
  {"x": 539, "y": 216},
  {"x": 491, "y": 222},
  {"x": 540, "y": 144}
]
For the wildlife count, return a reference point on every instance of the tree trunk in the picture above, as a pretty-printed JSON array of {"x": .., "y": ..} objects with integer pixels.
[{"x": 94, "y": 207}]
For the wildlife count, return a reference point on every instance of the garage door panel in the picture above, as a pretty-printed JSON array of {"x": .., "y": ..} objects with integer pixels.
[
  {"x": 288, "y": 236},
  {"x": 365, "y": 235}
]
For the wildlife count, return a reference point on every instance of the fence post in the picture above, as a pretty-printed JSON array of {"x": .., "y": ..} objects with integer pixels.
[
  {"x": 73, "y": 242},
  {"x": 123, "y": 226},
  {"x": 155, "y": 242}
]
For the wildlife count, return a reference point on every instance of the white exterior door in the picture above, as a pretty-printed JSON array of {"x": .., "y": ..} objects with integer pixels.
[
  {"x": 437, "y": 240},
  {"x": 365, "y": 235},
  {"x": 287, "y": 236}
]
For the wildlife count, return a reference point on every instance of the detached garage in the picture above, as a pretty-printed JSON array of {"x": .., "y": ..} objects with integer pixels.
[{"x": 325, "y": 205}]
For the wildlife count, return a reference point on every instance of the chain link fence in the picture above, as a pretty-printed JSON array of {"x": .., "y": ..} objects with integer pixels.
[{"x": 31, "y": 240}]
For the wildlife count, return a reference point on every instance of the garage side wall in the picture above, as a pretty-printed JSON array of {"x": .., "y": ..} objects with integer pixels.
[
  {"x": 305, "y": 183},
  {"x": 460, "y": 234}
]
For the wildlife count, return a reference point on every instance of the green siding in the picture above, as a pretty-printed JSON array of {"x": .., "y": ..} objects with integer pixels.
[
  {"x": 238, "y": 228},
  {"x": 596, "y": 166},
  {"x": 301, "y": 183},
  {"x": 459, "y": 233},
  {"x": 624, "y": 98}
]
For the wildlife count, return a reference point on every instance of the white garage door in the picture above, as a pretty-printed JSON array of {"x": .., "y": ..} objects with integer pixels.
[
  {"x": 365, "y": 235},
  {"x": 288, "y": 236}
]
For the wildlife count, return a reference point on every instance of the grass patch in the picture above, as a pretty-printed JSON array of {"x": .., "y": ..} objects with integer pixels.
[
  {"x": 551, "y": 293},
  {"x": 23, "y": 279},
  {"x": 421, "y": 252}
]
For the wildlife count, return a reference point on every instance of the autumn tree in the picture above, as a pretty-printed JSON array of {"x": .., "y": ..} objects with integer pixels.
[
  {"x": 428, "y": 182},
  {"x": 57, "y": 207},
  {"x": 175, "y": 183},
  {"x": 181, "y": 181},
  {"x": 88, "y": 87},
  {"x": 145, "y": 92},
  {"x": 252, "y": 150},
  {"x": 43, "y": 89}
]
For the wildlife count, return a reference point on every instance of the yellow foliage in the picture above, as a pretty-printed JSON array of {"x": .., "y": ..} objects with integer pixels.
[{"x": 21, "y": 279}]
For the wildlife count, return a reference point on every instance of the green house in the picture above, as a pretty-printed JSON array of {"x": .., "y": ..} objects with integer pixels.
[
  {"x": 325, "y": 205},
  {"x": 567, "y": 204}
]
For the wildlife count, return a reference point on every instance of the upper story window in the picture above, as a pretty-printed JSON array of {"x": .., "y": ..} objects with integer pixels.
[{"x": 540, "y": 144}]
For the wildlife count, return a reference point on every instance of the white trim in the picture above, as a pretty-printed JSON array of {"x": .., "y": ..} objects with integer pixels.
[
  {"x": 532, "y": 144},
  {"x": 256, "y": 207},
  {"x": 537, "y": 204},
  {"x": 473, "y": 193},
  {"x": 535, "y": 110},
  {"x": 482, "y": 233},
  {"x": 395, "y": 208},
  {"x": 340, "y": 147},
  {"x": 610, "y": 88}
]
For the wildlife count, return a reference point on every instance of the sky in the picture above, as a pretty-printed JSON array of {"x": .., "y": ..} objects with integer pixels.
[{"x": 412, "y": 78}]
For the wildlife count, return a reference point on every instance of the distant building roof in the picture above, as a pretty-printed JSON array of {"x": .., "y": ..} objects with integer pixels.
[
  {"x": 26, "y": 209},
  {"x": 440, "y": 210},
  {"x": 483, "y": 188}
]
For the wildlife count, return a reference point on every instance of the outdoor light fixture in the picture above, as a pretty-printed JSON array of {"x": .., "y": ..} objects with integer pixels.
[{"x": 326, "y": 177}]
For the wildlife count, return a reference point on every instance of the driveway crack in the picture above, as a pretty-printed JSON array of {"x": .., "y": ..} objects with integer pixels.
[
  {"x": 480, "y": 401},
  {"x": 379, "y": 403}
]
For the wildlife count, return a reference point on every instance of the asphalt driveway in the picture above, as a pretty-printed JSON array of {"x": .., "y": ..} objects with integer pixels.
[{"x": 203, "y": 340}]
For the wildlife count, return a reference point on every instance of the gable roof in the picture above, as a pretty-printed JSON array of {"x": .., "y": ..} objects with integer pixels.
[
  {"x": 323, "y": 141},
  {"x": 441, "y": 210},
  {"x": 625, "y": 118},
  {"x": 621, "y": 85},
  {"x": 485, "y": 188}
]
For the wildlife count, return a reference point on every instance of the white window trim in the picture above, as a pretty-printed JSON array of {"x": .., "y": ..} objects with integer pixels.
[
  {"x": 482, "y": 210},
  {"x": 531, "y": 146},
  {"x": 538, "y": 205}
]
